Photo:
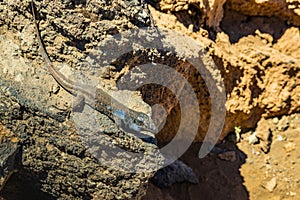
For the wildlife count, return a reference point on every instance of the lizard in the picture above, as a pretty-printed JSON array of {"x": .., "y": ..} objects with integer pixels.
[
  {"x": 119, "y": 113},
  {"x": 123, "y": 116}
]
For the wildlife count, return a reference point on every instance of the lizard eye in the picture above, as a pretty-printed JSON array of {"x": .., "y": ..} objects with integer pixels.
[{"x": 142, "y": 118}]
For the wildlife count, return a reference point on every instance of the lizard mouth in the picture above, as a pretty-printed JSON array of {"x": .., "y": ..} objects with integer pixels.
[{"x": 152, "y": 127}]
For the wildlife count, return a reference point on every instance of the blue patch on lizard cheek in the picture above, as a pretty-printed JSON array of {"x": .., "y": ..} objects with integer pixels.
[{"x": 120, "y": 114}]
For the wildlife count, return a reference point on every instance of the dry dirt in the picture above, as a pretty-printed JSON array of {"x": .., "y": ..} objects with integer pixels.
[{"x": 246, "y": 172}]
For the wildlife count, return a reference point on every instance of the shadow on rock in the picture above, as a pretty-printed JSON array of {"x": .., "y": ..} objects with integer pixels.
[{"x": 218, "y": 173}]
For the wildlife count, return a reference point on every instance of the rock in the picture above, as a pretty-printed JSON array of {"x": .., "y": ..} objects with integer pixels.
[
  {"x": 259, "y": 79},
  {"x": 263, "y": 132},
  {"x": 260, "y": 68},
  {"x": 217, "y": 150},
  {"x": 292, "y": 194},
  {"x": 58, "y": 157},
  {"x": 228, "y": 156},
  {"x": 280, "y": 138},
  {"x": 284, "y": 9},
  {"x": 213, "y": 9},
  {"x": 176, "y": 172},
  {"x": 275, "y": 120},
  {"x": 270, "y": 186},
  {"x": 252, "y": 138},
  {"x": 8, "y": 152},
  {"x": 290, "y": 146}
]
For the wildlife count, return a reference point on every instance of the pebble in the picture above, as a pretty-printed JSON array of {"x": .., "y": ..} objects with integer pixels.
[
  {"x": 293, "y": 193},
  {"x": 279, "y": 138},
  {"x": 275, "y": 120},
  {"x": 290, "y": 146},
  {"x": 270, "y": 186},
  {"x": 19, "y": 78},
  {"x": 252, "y": 138},
  {"x": 228, "y": 156},
  {"x": 55, "y": 88}
]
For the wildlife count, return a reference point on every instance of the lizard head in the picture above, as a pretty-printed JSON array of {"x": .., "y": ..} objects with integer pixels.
[
  {"x": 144, "y": 122},
  {"x": 136, "y": 121}
]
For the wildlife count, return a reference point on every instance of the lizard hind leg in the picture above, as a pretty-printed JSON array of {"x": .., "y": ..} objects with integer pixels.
[{"x": 78, "y": 103}]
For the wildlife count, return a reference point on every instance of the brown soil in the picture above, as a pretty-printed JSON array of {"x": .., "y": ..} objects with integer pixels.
[{"x": 251, "y": 174}]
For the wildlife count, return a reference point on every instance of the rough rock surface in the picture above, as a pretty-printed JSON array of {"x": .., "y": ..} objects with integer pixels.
[
  {"x": 176, "y": 172},
  {"x": 250, "y": 55},
  {"x": 258, "y": 57},
  {"x": 8, "y": 155},
  {"x": 257, "y": 49},
  {"x": 58, "y": 157},
  {"x": 288, "y": 10},
  {"x": 211, "y": 12},
  {"x": 195, "y": 11}
]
